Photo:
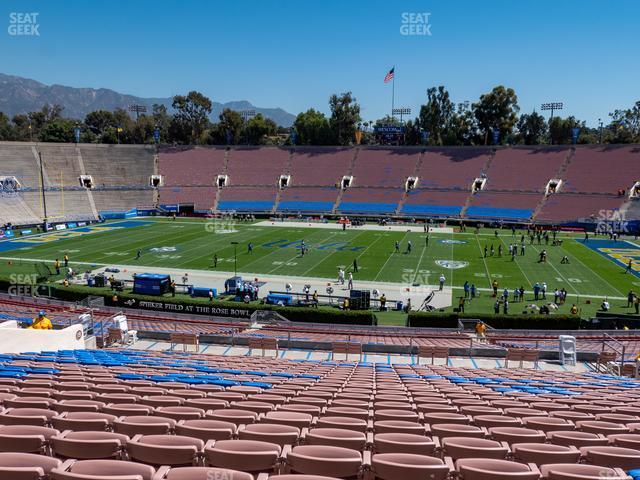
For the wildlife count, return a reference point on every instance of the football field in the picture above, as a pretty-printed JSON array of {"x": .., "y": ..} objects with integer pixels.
[{"x": 595, "y": 269}]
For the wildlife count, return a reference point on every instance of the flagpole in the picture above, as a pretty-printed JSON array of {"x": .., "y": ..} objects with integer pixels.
[{"x": 393, "y": 90}]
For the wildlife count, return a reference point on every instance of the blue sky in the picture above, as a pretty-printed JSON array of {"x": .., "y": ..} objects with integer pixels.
[{"x": 294, "y": 54}]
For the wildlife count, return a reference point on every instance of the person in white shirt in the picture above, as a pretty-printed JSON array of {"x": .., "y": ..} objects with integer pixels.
[{"x": 442, "y": 280}]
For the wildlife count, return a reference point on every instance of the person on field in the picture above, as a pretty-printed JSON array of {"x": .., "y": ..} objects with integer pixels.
[
  {"x": 494, "y": 286},
  {"x": 350, "y": 284},
  {"x": 397, "y": 246},
  {"x": 66, "y": 260},
  {"x": 441, "y": 280}
]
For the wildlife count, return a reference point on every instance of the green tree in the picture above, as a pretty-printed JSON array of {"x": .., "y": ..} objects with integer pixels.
[
  {"x": 437, "y": 116},
  {"x": 228, "y": 129},
  {"x": 625, "y": 125},
  {"x": 162, "y": 120},
  {"x": 345, "y": 115},
  {"x": 258, "y": 128},
  {"x": 497, "y": 109},
  {"x": 98, "y": 121},
  {"x": 58, "y": 130},
  {"x": 192, "y": 113},
  {"x": 561, "y": 130},
  {"x": 532, "y": 129},
  {"x": 6, "y": 129},
  {"x": 312, "y": 128}
]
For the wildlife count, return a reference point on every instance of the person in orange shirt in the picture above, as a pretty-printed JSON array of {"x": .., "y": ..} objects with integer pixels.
[{"x": 41, "y": 322}]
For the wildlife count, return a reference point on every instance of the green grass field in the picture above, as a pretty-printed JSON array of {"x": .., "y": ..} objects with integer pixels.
[{"x": 190, "y": 244}]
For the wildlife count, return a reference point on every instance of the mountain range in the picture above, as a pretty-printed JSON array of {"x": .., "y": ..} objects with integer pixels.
[{"x": 22, "y": 95}]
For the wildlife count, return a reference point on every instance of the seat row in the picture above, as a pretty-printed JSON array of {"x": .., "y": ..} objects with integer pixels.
[{"x": 326, "y": 463}]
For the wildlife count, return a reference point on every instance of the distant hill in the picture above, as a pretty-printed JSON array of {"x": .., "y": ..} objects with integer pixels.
[{"x": 22, "y": 95}]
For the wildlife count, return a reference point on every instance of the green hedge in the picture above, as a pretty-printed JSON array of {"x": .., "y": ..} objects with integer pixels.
[
  {"x": 295, "y": 314},
  {"x": 499, "y": 322}
]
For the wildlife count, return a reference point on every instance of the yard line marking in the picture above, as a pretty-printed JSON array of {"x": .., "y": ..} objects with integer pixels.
[
  {"x": 357, "y": 257},
  {"x": 418, "y": 265},
  {"x": 517, "y": 263},
  {"x": 558, "y": 272},
  {"x": 484, "y": 260},
  {"x": 390, "y": 257},
  {"x": 593, "y": 269}
]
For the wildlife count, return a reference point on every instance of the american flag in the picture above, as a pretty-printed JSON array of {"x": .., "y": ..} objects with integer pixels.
[{"x": 389, "y": 76}]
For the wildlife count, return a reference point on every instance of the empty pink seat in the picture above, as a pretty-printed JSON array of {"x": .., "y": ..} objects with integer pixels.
[
  {"x": 270, "y": 432},
  {"x": 82, "y": 421},
  {"x": 244, "y": 455},
  {"x": 325, "y": 461},
  {"x": 181, "y": 413},
  {"x": 295, "y": 419},
  {"x": 491, "y": 469},
  {"x": 442, "y": 430},
  {"x": 206, "y": 429},
  {"x": 26, "y": 416},
  {"x": 394, "y": 466},
  {"x": 398, "y": 426},
  {"x": 30, "y": 402},
  {"x": 547, "y": 424},
  {"x": 614, "y": 457},
  {"x": 89, "y": 445},
  {"x": 351, "y": 412},
  {"x": 577, "y": 439},
  {"x": 626, "y": 440},
  {"x": 513, "y": 435},
  {"x": 26, "y": 466},
  {"x": 233, "y": 415},
  {"x": 343, "y": 422},
  {"x": 172, "y": 450},
  {"x": 145, "y": 425},
  {"x": 337, "y": 437},
  {"x": 465, "y": 447},
  {"x": 541, "y": 453},
  {"x": 25, "y": 438},
  {"x": 253, "y": 406},
  {"x": 605, "y": 428},
  {"x": 103, "y": 469},
  {"x": 200, "y": 473},
  {"x": 78, "y": 406},
  {"x": 564, "y": 471},
  {"x": 433, "y": 418},
  {"x": 120, "y": 409},
  {"x": 404, "y": 443},
  {"x": 496, "y": 421}
]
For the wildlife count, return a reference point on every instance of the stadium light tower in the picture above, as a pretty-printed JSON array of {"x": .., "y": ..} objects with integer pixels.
[
  {"x": 552, "y": 106},
  {"x": 138, "y": 109},
  {"x": 246, "y": 115},
  {"x": 400, "y": 111},
  {"x": 600, "y": 130}
]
